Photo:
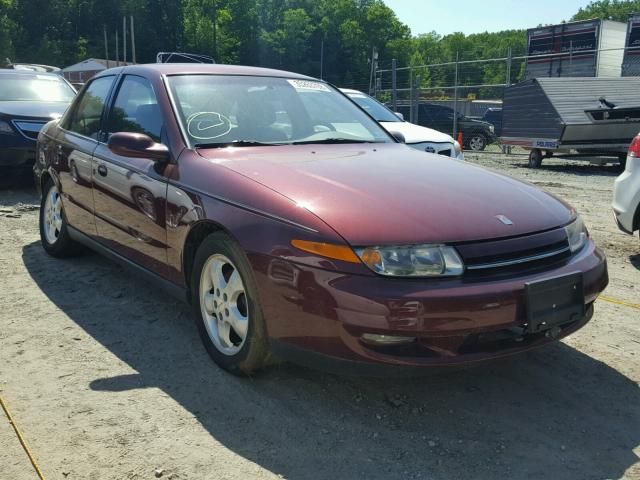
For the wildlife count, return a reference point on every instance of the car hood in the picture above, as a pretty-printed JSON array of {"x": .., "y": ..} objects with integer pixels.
[
  {"x": 390, "y": 194},
  {"x": 417, "y": 134},
  {"x": 43, "y": 110}
]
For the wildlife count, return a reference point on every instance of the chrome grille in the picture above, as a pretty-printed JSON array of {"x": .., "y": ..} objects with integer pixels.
[{"x": 535, "y": 250}]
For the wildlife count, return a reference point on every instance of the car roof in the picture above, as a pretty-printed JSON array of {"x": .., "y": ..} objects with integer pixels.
[
  {"x": 11, "y": 71},
  {"x": 203, "y": 69}
]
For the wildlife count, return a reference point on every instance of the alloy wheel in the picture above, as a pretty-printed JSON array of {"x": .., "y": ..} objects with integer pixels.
[
  {"x": 476, "y": 143},
  {"x": 52, "y": 217},
  {"x": 223, "y": 303}
]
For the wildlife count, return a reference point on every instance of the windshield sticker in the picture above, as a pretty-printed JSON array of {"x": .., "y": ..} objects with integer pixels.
[
  {"x": 208, "y": 125},
  {"x": 308, "y": 85}
]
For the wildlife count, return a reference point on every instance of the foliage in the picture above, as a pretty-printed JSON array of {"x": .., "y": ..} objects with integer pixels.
[{"x": 609, "y": 9}]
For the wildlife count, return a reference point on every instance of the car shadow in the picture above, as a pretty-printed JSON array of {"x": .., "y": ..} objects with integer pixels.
[
  {"x": 575, "y": 167},
  {"x": 555, "y": 413},
  {"x": 635, "y": 261}
]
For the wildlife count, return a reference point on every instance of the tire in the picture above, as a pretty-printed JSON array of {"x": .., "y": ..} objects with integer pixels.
[
  {"x": 54, "y": 234},
  {"x": 477, "y": 142},
  {"x": 535, "y": 158},
  {"x": 223, "y": 314}
]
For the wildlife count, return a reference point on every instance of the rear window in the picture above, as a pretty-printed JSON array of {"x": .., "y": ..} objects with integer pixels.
[{"x": 34, "y": 88}]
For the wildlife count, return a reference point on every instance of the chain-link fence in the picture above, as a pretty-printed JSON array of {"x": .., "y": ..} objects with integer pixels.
[{"x": 465, "y": 96}]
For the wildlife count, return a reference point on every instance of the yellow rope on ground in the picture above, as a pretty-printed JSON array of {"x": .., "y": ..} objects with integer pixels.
[
  {"x": 21, "y": 438},
  {"x": 619, "y": 302}
]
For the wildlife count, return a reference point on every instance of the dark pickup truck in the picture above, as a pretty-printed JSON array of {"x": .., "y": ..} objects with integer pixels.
[{"x": 477, "y": 134}]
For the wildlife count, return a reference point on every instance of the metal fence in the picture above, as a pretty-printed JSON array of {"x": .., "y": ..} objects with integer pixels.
[{"x": 471, "y": 87}]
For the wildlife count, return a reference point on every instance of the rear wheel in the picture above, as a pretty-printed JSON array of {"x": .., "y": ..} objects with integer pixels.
[
  {"x": 535, "y": 158},
  {"x": 54, "y": 234},
  {"x": 226, "y": 306},
  {"x": 477, "y": 142}
]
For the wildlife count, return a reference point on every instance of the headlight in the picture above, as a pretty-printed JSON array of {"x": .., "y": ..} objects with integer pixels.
[
  {"x": 492, "y": 129},
  {"x": 577, "y": 234},
  {"x": 6, "y": 129},
  {"x": 413, "y": 261}
]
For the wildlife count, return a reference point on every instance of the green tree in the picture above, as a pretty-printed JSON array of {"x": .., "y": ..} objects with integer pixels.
[{"x": 608, "y": 9}]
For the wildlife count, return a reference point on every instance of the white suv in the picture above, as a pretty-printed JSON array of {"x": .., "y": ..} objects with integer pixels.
[
  {"x": 420, "y": 138},
  {"x": 626, "y": 191}
]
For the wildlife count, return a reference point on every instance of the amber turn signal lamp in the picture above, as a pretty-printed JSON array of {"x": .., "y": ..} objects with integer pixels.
[{"x": 329, "y": 250}]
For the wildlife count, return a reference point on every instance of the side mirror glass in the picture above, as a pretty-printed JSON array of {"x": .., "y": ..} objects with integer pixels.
[
  {"x": 137, "y": 145},
  {"x": 398, "y": 136}
]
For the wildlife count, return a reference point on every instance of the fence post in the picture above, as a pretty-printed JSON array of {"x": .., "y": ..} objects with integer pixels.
[
  {"x": 509, "y": 61},
  {"x": 455, "y": 99},
  {"x": 416, "y": 100},
  {"x": 394, "y": 85}
]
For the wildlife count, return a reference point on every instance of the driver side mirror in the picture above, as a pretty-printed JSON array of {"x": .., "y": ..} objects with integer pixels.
[
  {"x": 137, "y": 145},
  {"x": 399, "y": 115}
]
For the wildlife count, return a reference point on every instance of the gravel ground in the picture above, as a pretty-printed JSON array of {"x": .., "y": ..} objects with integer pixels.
[{"x": 107, "y": 380}]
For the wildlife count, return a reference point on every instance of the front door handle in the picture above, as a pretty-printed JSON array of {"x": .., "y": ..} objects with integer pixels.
[{"x": 102, "y": 170}]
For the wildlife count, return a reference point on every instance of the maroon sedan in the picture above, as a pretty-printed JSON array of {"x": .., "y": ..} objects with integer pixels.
[{"x": 298, "y": 228}]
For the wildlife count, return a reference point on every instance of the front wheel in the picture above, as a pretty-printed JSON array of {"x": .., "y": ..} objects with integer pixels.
[
  {"x": 226, "y": 306},
  {"x": 477, "y": 142},
  {"x": 54, "y": 234}
]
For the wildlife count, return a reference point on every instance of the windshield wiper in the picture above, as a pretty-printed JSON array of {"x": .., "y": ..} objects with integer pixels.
[
  {"x": 332, "y": 141},
  {"x": 236, "y": 143}
]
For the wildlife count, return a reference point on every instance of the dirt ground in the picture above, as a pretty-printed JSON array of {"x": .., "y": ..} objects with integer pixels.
[{"x": 107, "y": 379}]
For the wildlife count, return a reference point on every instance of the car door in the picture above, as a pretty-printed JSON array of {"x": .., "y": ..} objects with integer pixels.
[
  {"x": 75, "y": 142},
  {"x": 130, "y": 193}
]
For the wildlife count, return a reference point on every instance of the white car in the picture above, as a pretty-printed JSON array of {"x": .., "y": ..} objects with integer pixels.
[
  {"x": 626, "y": 191},
  {"x": 420, "y": 138}
]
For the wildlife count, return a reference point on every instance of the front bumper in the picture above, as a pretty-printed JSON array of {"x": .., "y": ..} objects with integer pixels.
[
  {"x": 456, "y": 321},
  {"x": 18, "y": 157}
]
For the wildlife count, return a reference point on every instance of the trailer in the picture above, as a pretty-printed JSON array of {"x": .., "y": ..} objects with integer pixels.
[
  {"x": 591, "y": 48},
  {"x": 569, "y": 117},
  {"x": 631, "y": 62}
]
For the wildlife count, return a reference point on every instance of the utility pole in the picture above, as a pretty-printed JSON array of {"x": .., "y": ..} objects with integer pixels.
[
  {"x": 374, "y": 65},
  {"x": 124, "y": 39},
  {"x": 215, "y": 29},
  {"x": 321, "y": 56},
  {"x": 133, "y": 42},
  {"x": 106, "y": 45},
  {"x": 394, "y": 84},
  {"x": 117, "y": 50}
]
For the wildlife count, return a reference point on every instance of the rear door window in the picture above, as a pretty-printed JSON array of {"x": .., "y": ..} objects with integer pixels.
[{"x": 86, "y": 116}]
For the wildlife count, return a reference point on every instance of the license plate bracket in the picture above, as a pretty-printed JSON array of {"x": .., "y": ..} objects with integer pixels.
[{"x": 554, "y": 301}]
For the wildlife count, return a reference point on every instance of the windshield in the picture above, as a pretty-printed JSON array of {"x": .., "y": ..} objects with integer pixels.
[
  {"x": 34, "y": 88},
  {"x": 219, "y": 110},
  {"x": 374, "y": 108}
]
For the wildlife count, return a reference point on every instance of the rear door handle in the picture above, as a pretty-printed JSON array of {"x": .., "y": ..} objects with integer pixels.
[{"x": 102, "y": 170}]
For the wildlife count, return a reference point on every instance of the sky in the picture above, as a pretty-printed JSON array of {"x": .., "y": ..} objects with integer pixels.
[{"x": 475, "y": 16}]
